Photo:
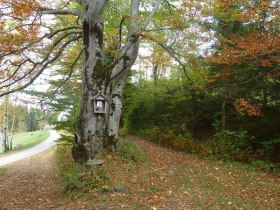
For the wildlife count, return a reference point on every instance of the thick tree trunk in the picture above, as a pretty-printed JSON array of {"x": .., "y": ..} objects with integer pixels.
[
  {"x": 116, "y": 96},
  {"x": 94, "y": 130},
  {"x": 100, "y": 130},
  {"x": 92, "y": 126},
  {"x": 129, "y": 54}
]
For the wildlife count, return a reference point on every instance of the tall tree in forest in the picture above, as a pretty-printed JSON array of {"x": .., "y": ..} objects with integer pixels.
[
  {"x": 247, "y": 51},
  {"x": 27, "y": 52}
]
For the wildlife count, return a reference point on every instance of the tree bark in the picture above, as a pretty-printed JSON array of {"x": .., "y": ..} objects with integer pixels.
[
  {"x": 116, "y": 97},
  {"x": 101, "y": 130},
  {"x": 3, "y": 140},
  {"x": 6, "y": 124},
  {"x": 12, "y": 128},
  {"x": 92, "y": 126}
]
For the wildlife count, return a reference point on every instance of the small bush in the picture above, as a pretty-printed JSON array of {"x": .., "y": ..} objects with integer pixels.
[
  {"x": 83, "y": 179},
  {"x": 128, "y": 151},
  {"x": 78, "y": 178},
  {"x": 234, "y": 145},
  {"x": 153, "y": 134},
  {"x": 71, "y": 179},
  {"x": 183, "y": 143},
  {"x": 262, "y": 165},
  {"x": 270, "y": 150},
  {"x": 167, "y": 138}
]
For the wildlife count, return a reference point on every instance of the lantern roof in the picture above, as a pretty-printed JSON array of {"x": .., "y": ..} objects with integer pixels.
[{"x": 100, "y": 96}]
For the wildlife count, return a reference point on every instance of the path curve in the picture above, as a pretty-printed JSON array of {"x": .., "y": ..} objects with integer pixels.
[{"x": 49, "y": 142}]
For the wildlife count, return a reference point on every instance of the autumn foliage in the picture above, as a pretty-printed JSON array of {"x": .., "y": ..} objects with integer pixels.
[
  {"x": 252, "y": 48},
  {"x": 18, "y": 26},
  {"x": 245, "y": 108}
]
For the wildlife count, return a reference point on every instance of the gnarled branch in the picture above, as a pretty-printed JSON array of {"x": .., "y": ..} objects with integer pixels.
[
  {"x": 41, "y": 69},
  {"x": 173, "y": 55},
  {"x": 49, "y": 11},
  {"x": 151, "y": 15}
]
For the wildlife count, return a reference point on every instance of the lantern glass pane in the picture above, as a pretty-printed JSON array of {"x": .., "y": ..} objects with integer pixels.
[{"x": 99, "y": 105}]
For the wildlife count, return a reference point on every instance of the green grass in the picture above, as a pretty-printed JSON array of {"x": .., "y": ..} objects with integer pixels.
[
  {"x": 78, "y": 179},
  {"x": 3, "y": 170},
  {"x": 129, "y": 150},
  {"x": 28, "y": 139}
]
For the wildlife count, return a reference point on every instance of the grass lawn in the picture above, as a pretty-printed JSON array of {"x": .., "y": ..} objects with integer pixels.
[
  {"x": 28, "y": 139},
  {"x": 3, "y": 170}
]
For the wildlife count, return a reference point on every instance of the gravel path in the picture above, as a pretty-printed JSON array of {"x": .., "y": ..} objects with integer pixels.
[{"x": 48, "y": 143}]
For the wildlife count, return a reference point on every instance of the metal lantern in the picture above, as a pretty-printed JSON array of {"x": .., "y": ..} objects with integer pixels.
[{"x": 99, "y": 103}]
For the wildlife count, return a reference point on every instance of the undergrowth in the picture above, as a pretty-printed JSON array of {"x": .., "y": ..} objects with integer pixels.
[
  {"x": 226, "y": 146},
  {"x": 79, "y": 178},
  {"x": 83, "y": 178},
  {"x": 130, "y": 151}
]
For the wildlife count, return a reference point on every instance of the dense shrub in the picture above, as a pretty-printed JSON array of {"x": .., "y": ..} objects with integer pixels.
[
  {"x": 153, "y": 134},
  {"x": 269, "y": 150},
  {"x": 180, "y": 142},
  {"x": 235, "y": 145}
]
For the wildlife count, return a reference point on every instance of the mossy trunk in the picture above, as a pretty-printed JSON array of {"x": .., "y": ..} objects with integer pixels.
[
  {"x": 101, "y": 130},
  {"x": 92, "y": 126}
]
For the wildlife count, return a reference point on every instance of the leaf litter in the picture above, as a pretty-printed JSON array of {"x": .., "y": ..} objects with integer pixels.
[{"x": 170, "y": 180}]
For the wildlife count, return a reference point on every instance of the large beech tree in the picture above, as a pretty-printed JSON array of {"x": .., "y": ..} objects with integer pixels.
[{"x": 32, "y": 40}]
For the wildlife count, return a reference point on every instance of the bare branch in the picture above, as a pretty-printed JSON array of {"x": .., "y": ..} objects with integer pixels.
[
  {"x": 124, "y": 53},
  {"x": 51, "y": 35},
  {"x": 62, "y": 12},
  {"x": 169, "y": 5},
  {"x": 15, "y": 72},
  {"x": 168, "y": 28},
  {"x": 63, "y": 29},
  {"x": 70, "y": 72},
  {"x": 151, "y": 15},
  {"x": 35, "y": 63},
  {"x": 171, "y": 52},
  {"x": 40, "y": 71}
]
